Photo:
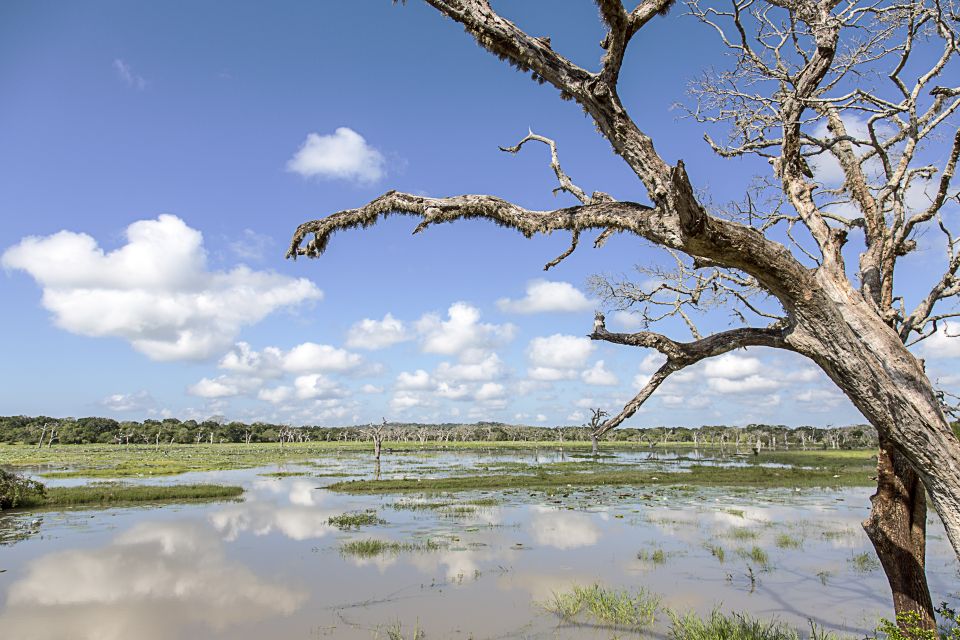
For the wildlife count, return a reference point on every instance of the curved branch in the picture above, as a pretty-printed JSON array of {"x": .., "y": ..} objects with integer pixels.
[
  {"x": 683, "y": 354},
  {"x": 626, "y": 216},
  {"x": 690, "y": 230}
]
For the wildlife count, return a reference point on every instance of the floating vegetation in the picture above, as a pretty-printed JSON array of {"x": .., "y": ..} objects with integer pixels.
[
  {"x": 756, "y": 554},
  {"x": 786, "y": 541},
  {"x": 372, "y": 547},
  {"x": 355, "y": 520},
  {"x": 656, "y": 556},
  {"x": 716, "y": 551},
  {"x": 743, "y": 533},
  {"x": 864, "y": 562},
  {"x": 617, "y": 607}
]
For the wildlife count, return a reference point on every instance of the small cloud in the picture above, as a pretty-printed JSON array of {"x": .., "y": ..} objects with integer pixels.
[
  {"x": 342, "y": 155},
  {"x": 544, "y": 296},
  {"x": 251, "y": 245},
  {"x": 126, "y": 74},
  {"x": 377, "y": 334},
  {"x": 138, "y": 401},
  {"x": 599, "y": 375}
]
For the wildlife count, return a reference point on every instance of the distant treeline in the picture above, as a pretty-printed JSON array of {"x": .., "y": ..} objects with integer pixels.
[{"x": 46, "y": 431}]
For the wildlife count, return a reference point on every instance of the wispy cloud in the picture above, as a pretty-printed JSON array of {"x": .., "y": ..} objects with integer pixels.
[{"x": 126, "y": 73}]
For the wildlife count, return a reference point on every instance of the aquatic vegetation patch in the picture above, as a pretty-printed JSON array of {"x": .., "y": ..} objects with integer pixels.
[
  {"x": 735, "y": 626},
  {"x": 108, "y": 493},
  {"x": 654, "y": 556},
  {"x": 355, "y": 520},
  {"x": 864, "y": 562},
  {"x": 372, "y": 547},
  {"x": 615, "y": 607},
  {"x": 743, "y": 533},
  {"x": 757, "y": 554},
  {"x": 786, "y": 541},
  {"x": 716, "y": 551},
  {"x": 744, "y": 478}
]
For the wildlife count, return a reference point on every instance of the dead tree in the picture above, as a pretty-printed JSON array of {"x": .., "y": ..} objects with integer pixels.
[
  {"x": 802, "y": 72},
  {"x": 377, "y": 433},
  {"x": 43, "y": 434},
  {"x": 596, "y": 427}
]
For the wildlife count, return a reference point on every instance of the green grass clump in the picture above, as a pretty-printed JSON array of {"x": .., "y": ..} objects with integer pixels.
[
  {"x": 864, "y": 562},
  {"x": 657, "y": 556},
  {"x": 716, "y": 551},
  {"x": 736, "y": 626},
  {"x": 117, "y": 493},
  {"x": 615, "y": 607},
  {"x": 372, "y": 547},
  {"x": 909, "y": 626},
  {"x": 743, "y": 533},
  {"x": 395, "y": 632},
  {"x": 756, "y": 554},
  {"x": 355, "y": 520},
  {"x": 786, "y": 541}
]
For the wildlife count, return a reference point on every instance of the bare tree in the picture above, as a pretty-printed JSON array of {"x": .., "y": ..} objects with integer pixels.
[
  {"x": 377, "y": 433},
  {"x": 596, "y": 427},
  {"x": 803, "y": 73}
]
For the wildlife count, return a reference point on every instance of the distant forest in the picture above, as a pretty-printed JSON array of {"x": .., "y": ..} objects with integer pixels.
[{"x": 45, "y": 431}]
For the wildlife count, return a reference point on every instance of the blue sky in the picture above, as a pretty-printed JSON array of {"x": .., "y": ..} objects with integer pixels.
[{"x": 157, "y": 157}]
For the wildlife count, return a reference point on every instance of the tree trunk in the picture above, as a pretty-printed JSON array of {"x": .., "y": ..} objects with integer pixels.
[
  {"x": 593, "y": 441},
  {"x": 897, "y": 527},
  {"x": 867, "y": 360}
]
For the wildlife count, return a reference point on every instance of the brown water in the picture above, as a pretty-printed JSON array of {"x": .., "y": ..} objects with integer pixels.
[{"x": 271, "y": 567}]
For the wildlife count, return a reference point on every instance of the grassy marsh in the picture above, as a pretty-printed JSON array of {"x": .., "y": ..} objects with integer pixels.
[
  {"x": 614, "y": 607},
  {"x": 699, "y": 475},
  {"x": 736, "y": 626},
  {"x": 116, "y": 493}
]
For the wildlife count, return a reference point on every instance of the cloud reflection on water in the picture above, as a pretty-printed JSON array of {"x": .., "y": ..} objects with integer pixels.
[{"x": 156, "y": 581}]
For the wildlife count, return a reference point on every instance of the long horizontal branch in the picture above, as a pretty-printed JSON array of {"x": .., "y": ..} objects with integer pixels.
[
  {"x": 691, "y": 230},
  {"x": 624, "y": 216},
  {"x": 683, "y": 354}
]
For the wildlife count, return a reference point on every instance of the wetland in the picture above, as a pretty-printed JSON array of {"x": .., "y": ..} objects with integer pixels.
[{"x": 472, "y": 540}]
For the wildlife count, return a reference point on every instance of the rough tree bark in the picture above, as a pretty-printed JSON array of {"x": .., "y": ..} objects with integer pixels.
[
  {"x": 798, "y": 66},
  {"x": 897, "y": 527}
]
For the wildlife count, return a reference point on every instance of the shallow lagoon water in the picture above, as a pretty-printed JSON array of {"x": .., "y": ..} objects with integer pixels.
[{"x": 272, "y": 566}]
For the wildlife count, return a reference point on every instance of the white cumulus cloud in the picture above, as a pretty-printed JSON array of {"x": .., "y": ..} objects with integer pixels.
[
  {"x": 155, "y": 291},
  {"x": 343, "y": 155},
  {"x": 599, "y": 375},
  {"x": 731, "y": 366},
  {"x": 558, "y": 357},
  {"x": 945, "y": 343},
  {"x": 461, "y": 332},
  {"x": 311, "y": 357},
  {"x": 545, "y": 296},
  {"x": 377, "y": 334}
]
